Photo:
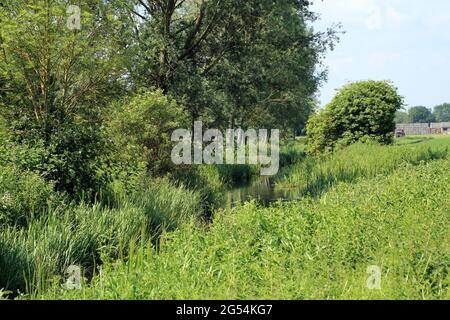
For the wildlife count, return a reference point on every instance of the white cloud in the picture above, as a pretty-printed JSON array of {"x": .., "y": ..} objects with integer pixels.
[
  {"x": 411, "y": 48},
  {"x": 379, "y": 59},
  {"x": 398, "y": 17},
  {"x": 374, "y": 20}
]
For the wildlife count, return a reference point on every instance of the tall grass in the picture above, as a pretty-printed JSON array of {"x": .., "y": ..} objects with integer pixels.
[
  {"x": 314, "y": 175},
  {"x": 81, "y": 234},
  {"x": 311, "y": 249},
  {"x": 24, "y": 195},
  {"x": 315, "y": 248}
]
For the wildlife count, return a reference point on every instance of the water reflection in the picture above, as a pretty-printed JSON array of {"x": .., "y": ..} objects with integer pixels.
[{"x": 262, "y": 190}]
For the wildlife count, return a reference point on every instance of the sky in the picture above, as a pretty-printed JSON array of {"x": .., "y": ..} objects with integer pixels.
[{"x": 405, "y": 41}]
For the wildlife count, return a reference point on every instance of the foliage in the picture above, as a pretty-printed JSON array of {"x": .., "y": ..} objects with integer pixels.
[
  {"x": 441, "y": 113},
  {"x": 24, "y": 196},
  {"x": 191, "y": 50},
  {"x": 402, "y": 117},
  {"x": 48, "y": 68},
  {"x": 86, "y": 177},
  {"x": 81, "y": 234},
  {"x": 141, "y": 129},
  {"x": 314, "y": 176},
  {"x": 420, "y": 114},
  {"x": 76, "y": 159},
  {"x": 301, "y": 250},
  {"x": 53, "y": 83},
  {"x": 359, "y": 111}
]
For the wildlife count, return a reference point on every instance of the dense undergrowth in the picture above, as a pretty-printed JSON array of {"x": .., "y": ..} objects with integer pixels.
[
  {"x": 311, "y": 249},
  {"x": 42, "y": 232},
  {"x": 314, "y": 175},
  {"x": 81, "y": 233}
]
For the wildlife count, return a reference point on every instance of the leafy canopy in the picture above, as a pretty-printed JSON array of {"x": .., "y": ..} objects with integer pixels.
[
  {"x": 420, "y": 114},
  {"x": 360, "y": 111}
]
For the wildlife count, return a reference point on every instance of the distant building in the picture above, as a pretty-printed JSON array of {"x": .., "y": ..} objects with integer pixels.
[{"x": 424, "y": 128}]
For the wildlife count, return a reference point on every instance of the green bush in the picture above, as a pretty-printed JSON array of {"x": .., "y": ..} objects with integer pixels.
[
  {"x": 24, "y": 196},
  {"x": 78, "y": 160},
  {"x": 141, "y": 129},
  {"x": 75, "y": 158},
  {"x": 359, "y": 111}
]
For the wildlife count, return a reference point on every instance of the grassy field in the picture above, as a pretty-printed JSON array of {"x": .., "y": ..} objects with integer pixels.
[
  {"x": 313, "y": 176},
  {"x": 365, "y": 206}
]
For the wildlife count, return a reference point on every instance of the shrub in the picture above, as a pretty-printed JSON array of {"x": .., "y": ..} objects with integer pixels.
[
  {"x": 141, "y": 129},
  {"x": 23, "y": 196},
  {"x": 75, "y": 158},
  {"x": 78, "y": 160},
  {"x": 360, "y": 111}
]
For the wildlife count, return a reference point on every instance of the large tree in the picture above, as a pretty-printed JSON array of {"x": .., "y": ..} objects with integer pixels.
[
  {"x": 420, "y": 114},
  {"x": 441, "y": 112},
  {"x": 275, "y": 73},
  {"x": 53, "y": 73},
  {"x": 228, "y": 62}
]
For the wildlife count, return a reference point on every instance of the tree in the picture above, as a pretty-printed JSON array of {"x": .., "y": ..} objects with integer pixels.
[
  {"x": 274, "y": 68},
  {"x": 360, "y": 111},
  {"x": 401, "y": 117},
  {"x": 420, "y": 114},
  {"x": 233, "y": 62},
  {"x": 54, "y": 80},
  {"x": 53, "y": 74},
  {"x": 167, "y": 35},
  {"x": 141, "y": 127},
  {"x": 441, "y": 112}
]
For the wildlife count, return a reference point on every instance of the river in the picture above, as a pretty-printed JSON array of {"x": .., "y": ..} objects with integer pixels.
[{"x": 261, "y": 189}]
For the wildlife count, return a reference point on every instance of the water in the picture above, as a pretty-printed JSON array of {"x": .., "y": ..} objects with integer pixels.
[{"x": 261, "y": 189}]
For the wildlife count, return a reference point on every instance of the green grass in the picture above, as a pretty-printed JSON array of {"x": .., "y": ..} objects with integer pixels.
[
  {"x": 365, "y": 205},
  {"x": 430, "y": 139},
  {"x": 313, "y": 175},
  {"x": 81, "y": 234},
  {"x": 311, "y": 249}
]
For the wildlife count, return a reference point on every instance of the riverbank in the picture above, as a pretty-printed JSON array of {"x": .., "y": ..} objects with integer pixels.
[
  {"x": 317, "y": 247},
  {"x": 308, "y": 249}
]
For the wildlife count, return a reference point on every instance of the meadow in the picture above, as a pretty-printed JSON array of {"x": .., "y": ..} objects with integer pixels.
[{"x": 366, "y": 205}]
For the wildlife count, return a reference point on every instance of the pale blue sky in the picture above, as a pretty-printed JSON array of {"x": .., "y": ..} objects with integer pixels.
[{"x": 406, "y": 41}]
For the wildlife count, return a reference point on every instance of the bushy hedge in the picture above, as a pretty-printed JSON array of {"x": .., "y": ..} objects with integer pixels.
[
  {"x": 76, "y": 158},
  {"x": 359, "y": 111}
]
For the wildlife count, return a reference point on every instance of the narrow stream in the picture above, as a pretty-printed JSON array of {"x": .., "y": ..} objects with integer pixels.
[{"x": 261, "y": 189}]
